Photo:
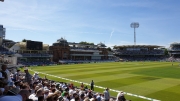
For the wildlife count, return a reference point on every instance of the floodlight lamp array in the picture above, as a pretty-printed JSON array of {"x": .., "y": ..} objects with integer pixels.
[{"x": 134, "y": 25}]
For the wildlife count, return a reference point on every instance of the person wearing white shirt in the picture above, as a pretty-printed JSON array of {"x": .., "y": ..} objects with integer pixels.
[
  {"x": 5, "y": 75},
  {"x": 38, "y": 93},
  {"x": 65, "y": 96},
  {"x": 36, "y": 76},
  {"x": 120, "y": 97},
  {"x": 8, "y": 75}
]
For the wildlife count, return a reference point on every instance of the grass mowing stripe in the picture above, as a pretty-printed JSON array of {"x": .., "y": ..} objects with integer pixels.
[
  {"x": 125, "y": 81},
  {"x": 108, "y": 77},
  {"x": 65, "y": 73},
  {"x": 166, "y": 72},
  {"x": 152, "y": 86},
  {"x": 170, "y": 94},
  {"x": 139, "y": 96}
]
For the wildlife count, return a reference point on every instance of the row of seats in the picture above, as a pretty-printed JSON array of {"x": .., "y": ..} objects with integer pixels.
[
  {"x": 34, "y": 54},
  {"x": 37, "y": 63}
]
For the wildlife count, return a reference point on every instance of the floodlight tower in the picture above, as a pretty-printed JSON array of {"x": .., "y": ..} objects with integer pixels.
[{"x": 134, "y": 25}]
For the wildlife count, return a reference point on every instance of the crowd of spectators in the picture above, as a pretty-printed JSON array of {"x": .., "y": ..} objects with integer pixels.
[
  {"x": 131, "y": 58},
  {"x": 139, "y": 52},
  {"x": 26, "y": 87},
  {"x": 177, "y": 59}
]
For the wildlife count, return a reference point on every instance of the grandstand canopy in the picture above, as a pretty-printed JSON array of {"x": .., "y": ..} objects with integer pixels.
[
  {"x": 174, "y": 44},
  {"x": 7, "y": 40},
  {"x": 174, "y": 47},
  {"x": 138, "y": 46}
]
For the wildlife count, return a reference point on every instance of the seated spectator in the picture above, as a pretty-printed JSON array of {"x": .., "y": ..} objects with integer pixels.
[
  {"x": 66, "y": 95},
  {"x": 120, "y": 97},
  {"x": 25, "y": 94},
  {"x": 36, "y": 76},
  {"x": 52, "y": 97},
  {"x": 38, "y": 93},
  {"x": 98, "y": 97},
  {"x": 82, "y": 97},
  {"x": 16, "y": 76},
  {"x": 46, "y": 93},
  {"x": 82, "y": 85}
]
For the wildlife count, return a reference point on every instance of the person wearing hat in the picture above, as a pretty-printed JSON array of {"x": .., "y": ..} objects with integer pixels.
[
  {"x": 28, "y": 76},
  {"x": 46, "y": 93},
  {"x": 98, "y": 97},
  {"x": 36, "y": 76},
  {"x": 120, "y": 96}
]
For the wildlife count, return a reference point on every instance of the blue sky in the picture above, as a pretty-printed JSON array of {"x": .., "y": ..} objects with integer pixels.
[{"x": 106, "y": 21}]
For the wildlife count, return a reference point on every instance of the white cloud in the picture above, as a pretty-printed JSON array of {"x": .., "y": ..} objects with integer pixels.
[{"x": 111, "y": 35}]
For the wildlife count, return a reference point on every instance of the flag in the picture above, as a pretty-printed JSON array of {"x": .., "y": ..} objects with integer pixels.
[{"x": 2, "y": 0}]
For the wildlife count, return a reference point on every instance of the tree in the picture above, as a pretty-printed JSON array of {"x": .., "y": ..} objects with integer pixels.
[
  {"x": 109, "y": 49},
  {"x": 24, "y": 40},
  {"x": 166, "y": 52},
  {"x": 86, "y": 43}
]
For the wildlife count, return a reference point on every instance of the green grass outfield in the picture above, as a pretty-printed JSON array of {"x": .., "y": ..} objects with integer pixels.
[{"x": 157, "y": 80}]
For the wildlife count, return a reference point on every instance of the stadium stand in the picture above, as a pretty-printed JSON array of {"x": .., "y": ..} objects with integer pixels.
[
  {"x": 174, "y": 50},
  {"x": 139, "y": 52},
  {"x": 32, "y": 53}
]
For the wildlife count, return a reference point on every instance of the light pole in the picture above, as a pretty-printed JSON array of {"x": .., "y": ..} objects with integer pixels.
[{"x": 134, "y": 25}]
